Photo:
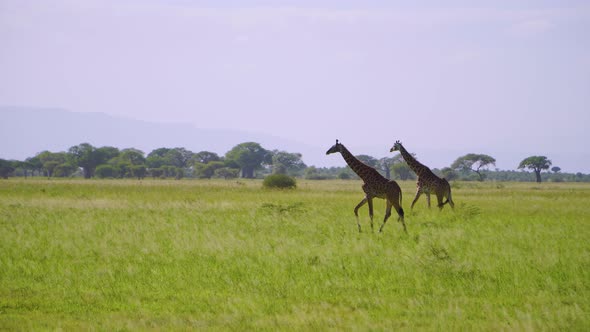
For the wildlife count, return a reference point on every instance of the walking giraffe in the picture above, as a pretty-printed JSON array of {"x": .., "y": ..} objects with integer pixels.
[
  {"x": 428, "y": 182},
  {"x": 375, "y": 185}
]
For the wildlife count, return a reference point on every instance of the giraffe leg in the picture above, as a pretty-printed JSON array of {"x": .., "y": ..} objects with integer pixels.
[
  {"x": 370, "y": 202},
  {"x": 439, "y": 198},
  {"x": 400, "y": 213},
  {"x": 356, "y": 209},
  {"x": 428, "y": 199},
  {"x": 387, "y": 214},
  {"x": 418, "y": 193}
]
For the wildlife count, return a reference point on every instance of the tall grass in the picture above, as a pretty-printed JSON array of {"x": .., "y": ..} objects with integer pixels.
[{"x": 114, "y": 255}]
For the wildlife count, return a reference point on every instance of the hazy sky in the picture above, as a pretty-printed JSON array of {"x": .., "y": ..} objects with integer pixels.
[{"x": 506, "y": 78}]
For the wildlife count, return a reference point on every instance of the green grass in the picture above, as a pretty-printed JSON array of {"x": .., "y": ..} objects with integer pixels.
[{"x": 229, "y": 255}]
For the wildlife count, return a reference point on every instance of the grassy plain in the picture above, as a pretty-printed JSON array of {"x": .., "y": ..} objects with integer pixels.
[{"x": 228, "y": 255}]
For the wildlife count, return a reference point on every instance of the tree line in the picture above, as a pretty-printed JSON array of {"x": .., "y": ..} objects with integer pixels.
[
  {"x": 88, "y": 161},
  {"x": 251, "y": 160}
]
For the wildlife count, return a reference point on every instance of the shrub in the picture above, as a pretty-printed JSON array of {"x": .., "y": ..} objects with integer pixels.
[
  {"x": 279, "y": 181},
  {"x": 227, "y": 173}
]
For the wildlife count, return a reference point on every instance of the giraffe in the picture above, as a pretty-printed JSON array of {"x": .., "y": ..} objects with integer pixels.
[
  {"x": 375, "y": 185},
  {"x": 428, "y": 182}
]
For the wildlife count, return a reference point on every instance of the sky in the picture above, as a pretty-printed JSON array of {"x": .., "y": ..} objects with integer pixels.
[{"x": 506, "y": 78}]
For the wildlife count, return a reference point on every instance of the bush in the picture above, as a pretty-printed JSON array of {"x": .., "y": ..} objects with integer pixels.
[
  {"x": 227, "y": 173},
  {"x": 279, "y": 181}
]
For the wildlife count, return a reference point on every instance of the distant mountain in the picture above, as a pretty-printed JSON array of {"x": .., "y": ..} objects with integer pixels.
[{"x": 26, "y": 131}]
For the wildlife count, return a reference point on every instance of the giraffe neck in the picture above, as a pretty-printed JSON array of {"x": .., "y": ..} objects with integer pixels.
[
  {"x": 414, "y": 164},
  {"x": 362, "y": 170}
]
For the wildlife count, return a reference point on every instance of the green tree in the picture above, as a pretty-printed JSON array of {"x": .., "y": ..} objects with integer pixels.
[
  {"x": 36, "y": 164},
  {"x": 179, "y": 157},
  {"x": 6, "y": 168},
  {"x": 368, "y": 160},
  {"x": 249, "y": 157},
  {"x": 473, "y": 162},
  {"x": 64, "y": 170},
  {"x": 88, "y": 157},
  {"x": 105, "y": 171},
  {"x": 122, "y": 169},
  {"x": 402, "y": 171},
  {"x": 312, "y": 173},
  {"x": 344, "y": 175},
  {"x": 205, "y": 157},
  {"x": 206, "y": 171},
  {"x": 157, "y": 172},
  {"x": 125, "y": 161},
  {"x": 179, "y": 173},
  {"x": 284, "y": 162},
  {"x": 156, "y": 158},
  {"x": 385, "y": 164},
  {"x": 449, "y": 173},
  {"x": 25, "y": 166},
  {"x": 555, "y": 169},
  {"x": 105, "y": 153},
  {"x": 132, "y": 156},
  {"x": 49, "y": 167},
  {"x": 50, "y": 160},
  {"x": 139, "y": 171},
  {"x": 537, "y": 164}
]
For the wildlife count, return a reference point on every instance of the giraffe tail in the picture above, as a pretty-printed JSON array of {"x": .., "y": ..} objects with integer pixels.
[
  {"x": 401, "y": 210},
  {"x": 449, "y": 197}
]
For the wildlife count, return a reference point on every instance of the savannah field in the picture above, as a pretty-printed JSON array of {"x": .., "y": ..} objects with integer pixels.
[{"x": 229, "y": 255}]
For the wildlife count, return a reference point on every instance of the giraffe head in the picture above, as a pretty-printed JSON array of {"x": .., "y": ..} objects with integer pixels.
[
  {"x": 396, "y": 146},
  {"x": 335, "y": 148}
]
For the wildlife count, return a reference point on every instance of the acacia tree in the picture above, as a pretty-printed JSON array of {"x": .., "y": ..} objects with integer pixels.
[
  {"x": 284, "y": 162},
  {"x": 179, "y": 157},
  {"x": 35, "y": 164},
  {"x": 248, "y": 156},
  {"x": 126, "y": 162},
  {"x": 537, "y": 164},
  {"x": 205, "y": 157},
  {"x": 88, "y": 157},
  {"x": 385, "y": 164},
  {"x": 206, "y": 171},
  {"x": 473, "y": 162},
  {"x": 156, "y": 158},
  {"x": 402, "y": 171},
  {"x": 50, "y": 160},
  {"x": 25, "y": 166},
  {"x": 367, "y": 160},
  {"x": 132, "y": 156}
]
